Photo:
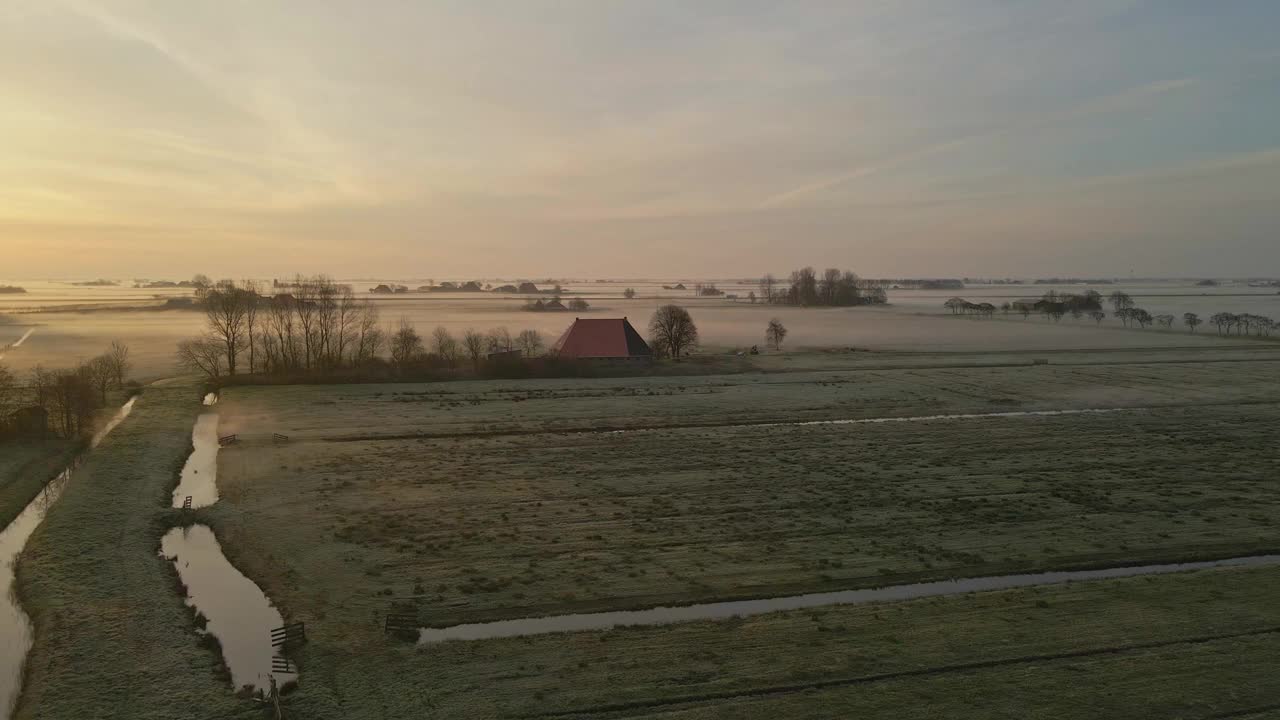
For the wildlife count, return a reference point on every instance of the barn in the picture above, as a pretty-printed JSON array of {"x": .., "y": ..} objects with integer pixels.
[{"x": 602, "y": 339}]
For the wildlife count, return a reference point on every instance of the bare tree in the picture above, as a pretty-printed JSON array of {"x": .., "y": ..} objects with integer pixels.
[
  {"x": 1098, "y": 316},
  {"x": 406, "y": 344},
  {"x": 775, "y": 333},
  {"x": 445, "y": 345},
  {"x": 346, "y": 321},
  {"x": 68, "y": 396},
  {"x": 500, "y": 340},
  {"x": 286, "y": 348},
  {"x": 252, "y": 304},
  {"x": 203, "y": 354},
  {"x": 530, "y": 341},
  {"x": 1165, "y": 320},
  {"x": 118, "y": 355},
  {"x": 672, "y": 331},
  {"x": 369, "y": 337},
  {"x": 629, "y": 293},
  {"x": 767, "y": 285},
  {"x": 1120, "y": 301},
  {"x": 1191, "y": 320},
  {"x": 99, "y": 373},
  {"x": 474, "y": 342},
  {"x": 1140, "y": 316},
  {"x": 8, "y": 394},
  {"x": 305, "y": 308},
  {"x": 224, "y": 309},
  {"x": 1224, "y": 321},
  {"x": 578, "y": 304}
]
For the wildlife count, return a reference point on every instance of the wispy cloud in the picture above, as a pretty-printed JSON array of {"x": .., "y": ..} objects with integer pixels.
[{"x": 561, "y": 134}]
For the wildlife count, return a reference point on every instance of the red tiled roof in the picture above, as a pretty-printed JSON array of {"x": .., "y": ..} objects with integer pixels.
[{"x": 601, "y": 338}]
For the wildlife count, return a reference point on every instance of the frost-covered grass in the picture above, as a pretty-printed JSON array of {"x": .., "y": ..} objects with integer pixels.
[
  {"x": 25, "y": 466},
  {"x": 329, "y": 411},
  {"x": 113, "y": 638}
]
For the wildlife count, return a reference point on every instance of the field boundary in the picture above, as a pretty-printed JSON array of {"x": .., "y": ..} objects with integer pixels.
[
  {"x": 883, "y": 677},
  {"x": 598, "y": 430}
]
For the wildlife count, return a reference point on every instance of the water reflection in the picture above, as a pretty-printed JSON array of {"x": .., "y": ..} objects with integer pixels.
[
  {"x": 239, "y": 614},
  {"x": 199, "y": 479}
]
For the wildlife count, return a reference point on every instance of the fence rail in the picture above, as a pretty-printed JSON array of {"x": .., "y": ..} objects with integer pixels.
[
  {"x": 228, "y": 439},
  {"x": 401, "y": 624},
  {"x": 278, "y": 437},
  {"x": 289, "y": 635}
]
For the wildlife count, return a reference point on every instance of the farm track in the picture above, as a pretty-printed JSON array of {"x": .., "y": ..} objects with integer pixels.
[{"x": 622, "y": 708}]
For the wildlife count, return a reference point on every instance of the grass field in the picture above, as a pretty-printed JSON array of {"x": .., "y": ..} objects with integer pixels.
[
  {"x": 1199, "y": 645},
  {"x": 113, "y": 638},
  {"x": 537, "y": 524},
  {"x": 394, "y": 410},
  {"x": 476, "y": 501},
  {"x": 25, "y": 466},
  {"x": 503, "y": 499}
]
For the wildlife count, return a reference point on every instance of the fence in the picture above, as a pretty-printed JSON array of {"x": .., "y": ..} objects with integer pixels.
[
  {"x": 227, "y": 439},
  {"x": 403, "y": 625},
  {"x": 288, "y": 636}
]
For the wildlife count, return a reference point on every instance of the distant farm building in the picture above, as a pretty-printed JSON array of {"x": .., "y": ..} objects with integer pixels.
[
  {"x": 602, "y": 339},
  {"x": 506, "y": 356}
]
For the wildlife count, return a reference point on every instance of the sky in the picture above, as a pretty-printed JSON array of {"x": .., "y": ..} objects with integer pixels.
[{"x": 596, "y": 138}]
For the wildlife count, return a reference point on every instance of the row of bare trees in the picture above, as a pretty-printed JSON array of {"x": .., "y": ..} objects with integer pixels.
[
  {"x": 63, "y": 400},
  {"x": 1244, "y": 323},
  {"x": 408, "y": 347},
  {"x": 834, "y": 289},
  {"x": 319, "y": 326}
]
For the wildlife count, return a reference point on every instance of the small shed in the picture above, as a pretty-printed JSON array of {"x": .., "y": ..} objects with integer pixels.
[{"x": 506, "y": 356}]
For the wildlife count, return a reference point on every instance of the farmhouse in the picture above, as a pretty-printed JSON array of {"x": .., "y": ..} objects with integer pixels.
[{"x": 603, "y": 338}]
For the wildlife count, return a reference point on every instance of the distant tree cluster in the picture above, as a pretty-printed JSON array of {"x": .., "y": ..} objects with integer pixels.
[
  {"x": 62, "y": 401},
  {"x": 1055, "y": 306},
  {"x": 1243, "y": 324},
  {"x": 443, "y": 349},
  {"x": 960, "y": 306},
  {"x": 556, "y": 305},
  {"x": 832, "y": 289},
  {"x": 930, "y": 283}
]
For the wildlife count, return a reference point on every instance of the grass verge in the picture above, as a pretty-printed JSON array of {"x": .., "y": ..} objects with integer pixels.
[{"x": 112, "y": 638}]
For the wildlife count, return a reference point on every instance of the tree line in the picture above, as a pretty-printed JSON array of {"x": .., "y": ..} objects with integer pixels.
[
  {"x": 806, "y": 288},
  {"x": 320, "y": 327},
  {"x": 62, "y": 401},
  {"x": 1054, "y": 306}
]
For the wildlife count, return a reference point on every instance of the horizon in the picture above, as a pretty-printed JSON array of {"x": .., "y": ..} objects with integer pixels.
[{"x": 897, "y": 139}]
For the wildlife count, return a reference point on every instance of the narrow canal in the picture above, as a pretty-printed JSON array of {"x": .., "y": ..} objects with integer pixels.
[{"x": 15, "y": 626}]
